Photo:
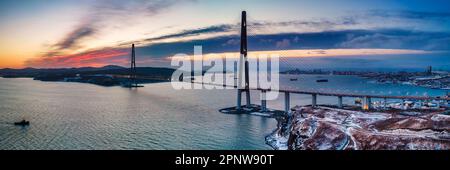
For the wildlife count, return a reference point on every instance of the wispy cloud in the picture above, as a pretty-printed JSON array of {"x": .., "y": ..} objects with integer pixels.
[
  {"x": 255, "y": 28},
  {"x": 285, "y": 43},
  {"x": 104, "y": 11},
  {"x": 410, "y": 14},
  {"x": 195, "y": 32},
  {"x": 71, "y": 40},
  {"x": 307, "y": 25},
  {"x": 402, "y": 19},
  {"x": 124, "y": 9},
  {"x": 348, "y": 32},
  {"x": 398, "y": 39},
  {"x": 93, "y": 58},
  {"x": 366, "y": 20},
  {"x": 347, "y": 39}
]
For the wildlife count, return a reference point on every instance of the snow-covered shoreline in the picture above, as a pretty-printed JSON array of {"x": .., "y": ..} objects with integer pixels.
[{"x": 325, "y": 128}]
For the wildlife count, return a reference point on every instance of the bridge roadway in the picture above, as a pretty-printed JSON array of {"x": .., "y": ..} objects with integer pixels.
[
  {"x": 339, "y": 94},
  {"x": 317, "y": 92},
  {"x": 366, "y": 103}
]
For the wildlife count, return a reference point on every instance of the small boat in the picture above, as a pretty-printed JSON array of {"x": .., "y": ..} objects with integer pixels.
[
  {"x": 294, "y": 79},
  {"x": 22, "y": 123},
  {"x": 129, "y": 85},
  {"x": 322, "y": 80}
]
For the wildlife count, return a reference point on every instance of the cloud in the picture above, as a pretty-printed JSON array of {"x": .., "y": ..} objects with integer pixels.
[
  {"x": 356, "y": 22},
  {"x": 348, "y": 39},
  {"x": 350, "y": 62},
  {"x": 442, "y": 43},
  {"x": 420, "y": 15},
  {"x": 103, "y": 11},
  {"x": 285, "y": 43},
  {"x": 72, "y": 39},
  {"x": 311, "y": 25},
  {"x": 296, "y": 39},
  {"x": 323, "y": 52},
  {"x": 349, "y": 32},
  {"x": 399, "y": 40},
  {"x": 376, "y": 40},
  {"x": 254, "y": 27},
  {"x": 402, "y": 19},
  {"x": 194, "y": 32},
  {"x": 125, "y": 9},
  {"x": 232, "y": 42},
  {"x": 93, "y": 58},
  {"x": 120, "y": 10}
]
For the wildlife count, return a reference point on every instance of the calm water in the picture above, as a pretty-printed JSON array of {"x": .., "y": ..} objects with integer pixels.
[{"x": 85, "y": 116}]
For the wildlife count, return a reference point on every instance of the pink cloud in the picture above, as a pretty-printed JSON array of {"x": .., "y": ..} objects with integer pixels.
[{"x": 96, "y": 58}]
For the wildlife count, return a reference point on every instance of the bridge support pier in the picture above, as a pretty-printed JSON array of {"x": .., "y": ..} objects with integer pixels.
[
  {"x": 314, "y": 100},
  {"x": 385, "y": 104},
  {"x": 340, "y": 105},
  {"x": 404, "y": 105},
  {"x": 239, "y": 98},
  {"x": 287, "y": 102},
  {"x": 263, "y": 101},
  {"x": 247, "y": 96},
  {"x": 367, "y": 103}
]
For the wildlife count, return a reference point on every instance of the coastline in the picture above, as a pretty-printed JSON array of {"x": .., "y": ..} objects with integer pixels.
[
  {"x": 104, "y": 76},
  {"x": 280, "y": 138},
  {"x": 325, "y": 128},
  {"x": 433, "y": 80}
]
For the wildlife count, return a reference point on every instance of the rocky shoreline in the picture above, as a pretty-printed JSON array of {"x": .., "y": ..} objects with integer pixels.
[{"x": 325, "y": 128}]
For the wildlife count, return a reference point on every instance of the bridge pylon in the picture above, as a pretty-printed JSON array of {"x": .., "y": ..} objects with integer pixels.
[
  {"x": 243, "y": 84},
  {"x": 132, "y": 82},
  {"x": 243, "y": 77}
]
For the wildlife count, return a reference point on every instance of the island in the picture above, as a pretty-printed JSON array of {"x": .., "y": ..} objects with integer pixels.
[{"x": 104, "y": 76}]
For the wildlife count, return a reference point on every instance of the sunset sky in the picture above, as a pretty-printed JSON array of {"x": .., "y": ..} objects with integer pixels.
[{"x": 78, "y": 33}]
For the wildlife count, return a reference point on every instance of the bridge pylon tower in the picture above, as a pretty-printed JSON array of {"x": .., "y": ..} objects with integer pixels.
[
  {"x": 132, "y": 83},
  {"x": 243, "y": 77}
]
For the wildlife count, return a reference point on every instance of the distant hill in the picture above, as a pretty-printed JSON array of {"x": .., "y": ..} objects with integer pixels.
[
  {"x": 70, "y": 72},
  {"x": 33, "y": 71}
]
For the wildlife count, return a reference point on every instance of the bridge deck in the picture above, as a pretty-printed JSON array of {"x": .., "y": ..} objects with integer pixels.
[{"x": 337, "y": 94}]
